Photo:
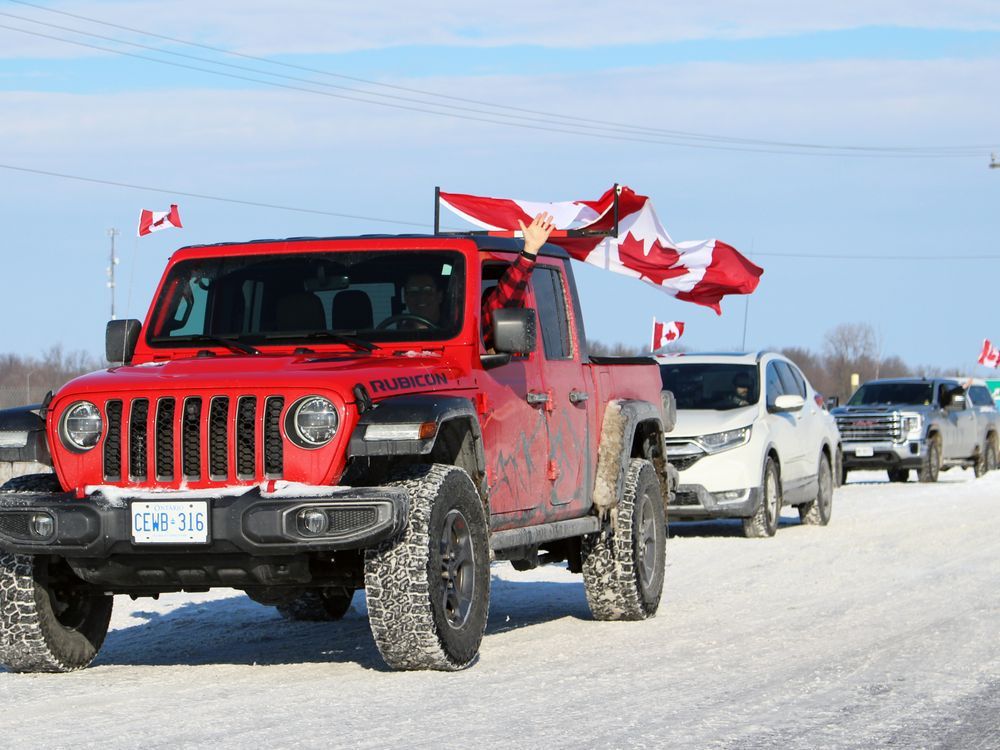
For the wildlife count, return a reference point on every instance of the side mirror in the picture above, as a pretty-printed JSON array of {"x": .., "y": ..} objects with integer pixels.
[
  {"x": 514, "y": 330},
  {"x": 789, "y": 402},
  {"x": 832, "y": 402},
  {"x": 120, "y": 339},
  {"x": 957, "y": 401}
]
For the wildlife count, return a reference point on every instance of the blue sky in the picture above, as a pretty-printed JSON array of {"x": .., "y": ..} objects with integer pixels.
[{"x": 907, "y": 243}]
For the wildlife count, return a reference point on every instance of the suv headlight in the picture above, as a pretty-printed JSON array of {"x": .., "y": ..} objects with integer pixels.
[
  {"x": 313, "y": 421},
  {"x": 722, "y": 441},
  {"x": 911, "y": 424},
  {"x": 81, "y": 426}
]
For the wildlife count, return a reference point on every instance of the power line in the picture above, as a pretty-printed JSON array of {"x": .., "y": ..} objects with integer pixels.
[{"x": 666, "y": 137}]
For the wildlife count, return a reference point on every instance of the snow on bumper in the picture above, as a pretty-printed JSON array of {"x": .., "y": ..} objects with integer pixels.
[{"x": 257, "y": 520}]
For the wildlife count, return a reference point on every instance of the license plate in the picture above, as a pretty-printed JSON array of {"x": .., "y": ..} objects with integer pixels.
[
  {"x": 181, "y": 522},
  {"x": 865, "y": 452}
]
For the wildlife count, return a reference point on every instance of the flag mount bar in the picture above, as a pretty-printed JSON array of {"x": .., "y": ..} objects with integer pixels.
[{"x": 517, "y": 232}]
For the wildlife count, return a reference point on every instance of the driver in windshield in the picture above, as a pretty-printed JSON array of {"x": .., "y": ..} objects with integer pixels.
[
  {"x": 422, "y": 298},
  {"x": 741, "y": 389}
]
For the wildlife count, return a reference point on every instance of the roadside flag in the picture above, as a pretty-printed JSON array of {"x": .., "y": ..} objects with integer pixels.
[
  {"x": 154, "y": 221},
  {"x": 702, "y": 271},
  {"x": 666, "y": 333},
  {"x": 990, "y": 355}
]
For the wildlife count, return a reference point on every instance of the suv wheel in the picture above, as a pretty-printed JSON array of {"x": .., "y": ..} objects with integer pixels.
[
  {"x": 624, "y": 562},
  {"x": 318, "y": 605},
  {"x": 429, "y": 588},
  {"x": 818, "y": 512},
  {"x": 928, "y": 472},
  {"x": 765, "y": 521}
]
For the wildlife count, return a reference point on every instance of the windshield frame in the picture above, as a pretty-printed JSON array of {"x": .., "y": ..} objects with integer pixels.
[{"x": 397, "y": 262}]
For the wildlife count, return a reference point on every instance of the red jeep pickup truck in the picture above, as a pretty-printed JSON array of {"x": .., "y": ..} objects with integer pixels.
[{"x": 291, "y": 422}]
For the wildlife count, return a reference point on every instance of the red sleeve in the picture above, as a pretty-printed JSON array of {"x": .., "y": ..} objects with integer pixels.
[{"x": 510, "y": 291}]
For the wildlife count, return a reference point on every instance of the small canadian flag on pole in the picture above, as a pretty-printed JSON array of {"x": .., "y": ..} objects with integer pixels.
[
  {"x": 666, "y": 332},
  {"x": 154, "y": 221},
  {"x": 990, "y": 356}
]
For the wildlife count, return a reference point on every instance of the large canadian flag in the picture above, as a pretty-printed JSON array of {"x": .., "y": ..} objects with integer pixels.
[
  {"x": 666, "y": 333},
  {"x": 154, "y": 221},
  {"x": 702, "y": 271},
  {"x": 990, "y": 355}
]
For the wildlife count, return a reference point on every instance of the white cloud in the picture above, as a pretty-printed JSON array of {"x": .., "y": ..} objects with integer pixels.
[{"x": 322, "y": 26}]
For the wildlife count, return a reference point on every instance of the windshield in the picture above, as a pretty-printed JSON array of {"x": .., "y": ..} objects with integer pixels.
[
  {"x": 373, "y": 296},
  {"x": 893, "y": 393},
  {"x": 711, "y": 386}
]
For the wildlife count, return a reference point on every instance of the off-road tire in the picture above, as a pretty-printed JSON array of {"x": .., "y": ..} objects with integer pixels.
[
  {"x": 931, "y": 466},
  {"x": 818, "y": 511},
  {"x": 624, "y": 562},
  {"x": 318, "y": 605},
  {"x": 764, "y": 522},
  {"x": 33, "y": 636},
  {"x": 416, "y": 617},
  {"x": 899, "y": 475}
]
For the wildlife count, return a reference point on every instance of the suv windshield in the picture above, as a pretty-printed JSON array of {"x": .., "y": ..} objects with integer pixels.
[
  {"x": 311, "y": 297},
  {"x": 711, "y": 386},
  {"x": 893, "y": 393}
]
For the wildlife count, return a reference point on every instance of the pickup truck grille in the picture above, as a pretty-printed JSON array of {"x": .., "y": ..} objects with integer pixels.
[
  {"x": 870, "y": 427},
  {"x": 217, "y": 438}
]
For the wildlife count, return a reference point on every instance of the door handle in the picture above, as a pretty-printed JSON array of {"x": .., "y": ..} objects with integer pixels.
[
  {"x": 535, "y": 398},
  {"x": 577, "y": 397}
]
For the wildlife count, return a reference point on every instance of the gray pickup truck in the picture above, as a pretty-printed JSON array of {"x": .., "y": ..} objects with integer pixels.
[{"x": 927, "y": 424}]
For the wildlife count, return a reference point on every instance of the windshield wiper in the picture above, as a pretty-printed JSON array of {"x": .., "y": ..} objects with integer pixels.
[
  {"x": 341, "y": 338},
  {"x": 233, "y": 344}
]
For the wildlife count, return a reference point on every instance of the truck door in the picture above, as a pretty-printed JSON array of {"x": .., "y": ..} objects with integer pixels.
[
  {"x": 571, "y": 408},
  {"x": 515, "y": 430},
  {"x": 963, "y": 420}
]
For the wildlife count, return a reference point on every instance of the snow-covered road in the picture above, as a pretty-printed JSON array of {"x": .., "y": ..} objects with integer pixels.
[{"x": 880, "y": 630}]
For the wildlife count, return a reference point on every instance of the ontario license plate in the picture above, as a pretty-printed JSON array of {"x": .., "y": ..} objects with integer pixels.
[
  {"x": 864, "y": 452},
  {"x": 180, "y": 522}
]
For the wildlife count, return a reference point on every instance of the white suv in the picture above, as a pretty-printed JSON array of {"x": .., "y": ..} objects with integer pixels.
[{"x": 751, "y": 435}]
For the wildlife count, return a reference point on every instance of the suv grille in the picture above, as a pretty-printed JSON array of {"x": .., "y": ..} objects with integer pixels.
[
  {"x": 218, "y": 437},
  {"x": 870, "y": 426},
  {"x": 682, "y": 454}
]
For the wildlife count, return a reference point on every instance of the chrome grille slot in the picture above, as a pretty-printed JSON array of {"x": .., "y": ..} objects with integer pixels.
[
  {"x": 137, "y": 439},
  {"x": 113, "y": 442},
  {"x": 218, "y": 439},
  {"x": 246, "y": 437},
  {"x": 165, "y": 439}
]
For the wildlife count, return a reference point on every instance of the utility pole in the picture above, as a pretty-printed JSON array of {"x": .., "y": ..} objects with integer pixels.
[{"x": 112, "y": 233}]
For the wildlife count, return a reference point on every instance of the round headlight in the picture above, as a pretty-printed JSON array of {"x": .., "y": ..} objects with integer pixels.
[
  {"x": 82, "y": 426},
  {"x": 315, "y": 421}
]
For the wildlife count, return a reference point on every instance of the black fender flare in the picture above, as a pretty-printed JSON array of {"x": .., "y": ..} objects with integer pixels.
[
  {"x": 23, "y": 431},
  {"x": 414, "y": 410},
  {"x": 622, "y": 420}
]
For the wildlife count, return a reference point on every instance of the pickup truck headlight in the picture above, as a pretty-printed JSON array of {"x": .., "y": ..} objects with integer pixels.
[
  {"x": 722, "y": 441},
  {"x": 314, "y": 422},
  {"x": 81, "y": 426},
  {"x": 911, "y": 424}
]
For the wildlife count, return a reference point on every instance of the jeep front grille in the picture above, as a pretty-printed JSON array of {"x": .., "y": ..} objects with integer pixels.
[
  {"x": 870, "y": 427},
  {"x": 217, "y": 437}
]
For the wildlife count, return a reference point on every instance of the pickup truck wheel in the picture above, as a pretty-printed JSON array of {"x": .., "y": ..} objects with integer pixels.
[
  {"x": 764, "y": 522},
  {"x": 623, "y": 563},
  {"x": 899, "y": 475},
  {"x": 318, "y": 605},
  {"x": 50, "y": 620},
  {"x": 818, "y": 512},
  {"x": 429, "y": 587},
  {"x": 991, "y": 453},
  {"x": 928, "y": 472}
]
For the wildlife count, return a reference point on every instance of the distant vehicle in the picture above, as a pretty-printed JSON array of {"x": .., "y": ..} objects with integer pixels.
[
  {"x": 927, "y": 424},
  {"x": 751, "y": 436}
]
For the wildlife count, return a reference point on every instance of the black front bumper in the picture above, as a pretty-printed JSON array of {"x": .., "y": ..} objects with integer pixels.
[{"x": 253, "y": 523}]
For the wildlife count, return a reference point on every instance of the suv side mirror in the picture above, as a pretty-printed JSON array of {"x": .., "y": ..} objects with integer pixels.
[
  {"x": 789, "y": 402},
  {"x": 120, "y": 339},
  {"x": 514, "y": 330}
]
